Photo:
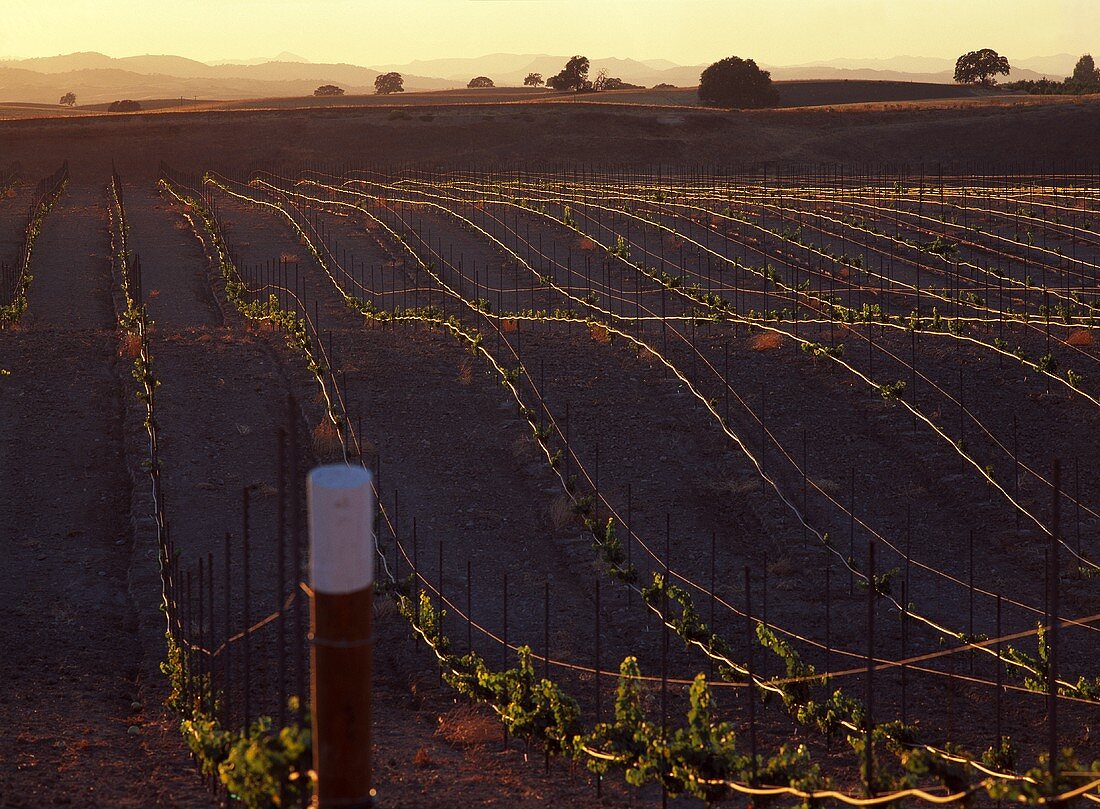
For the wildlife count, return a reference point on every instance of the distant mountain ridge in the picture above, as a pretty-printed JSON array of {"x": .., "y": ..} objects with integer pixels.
[
  {"x": 285, "y": 56},
  {"x": 96, "y": 78}
]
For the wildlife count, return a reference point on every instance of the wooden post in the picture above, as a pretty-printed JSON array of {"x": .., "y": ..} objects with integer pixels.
[
  {"x": 1052, "y": 624},
  {"x": 868, "y": 749},
  {"x": 751, "y": 641},
  {"x": 342, "y": 547}
]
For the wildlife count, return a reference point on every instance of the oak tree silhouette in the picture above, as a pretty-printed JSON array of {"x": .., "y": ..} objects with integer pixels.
[
  {"x": 386, "y": 83},
  {"x": 737, "y": 83},
  {"x": 574, "y": 76},
  {"x": 980, "y": 67}
]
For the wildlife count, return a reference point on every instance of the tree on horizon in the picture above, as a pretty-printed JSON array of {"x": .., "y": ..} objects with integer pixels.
[
  {"x": 124, "y": 105},
  {"x": 68, "y": 100},
  {"x": 480, "y": 83},
  {"x": 737, "y": 83},
  {"x": 386, "y": 83},
  {"x": 533, "y": 80},
  {"x": 574, "y": 76},
  {"x": 329, "y": 90},
  {"x": 980, "y": 67},
  {"x": 1085, "y": 72}
]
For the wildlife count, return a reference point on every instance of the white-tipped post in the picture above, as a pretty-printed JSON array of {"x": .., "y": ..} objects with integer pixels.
[{"x": 342, "y": 548}]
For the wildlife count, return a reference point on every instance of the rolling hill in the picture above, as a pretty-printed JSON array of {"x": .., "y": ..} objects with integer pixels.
[{"x": 96, "y": 78}]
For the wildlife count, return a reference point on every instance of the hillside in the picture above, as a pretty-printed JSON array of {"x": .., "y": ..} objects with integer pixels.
[{"x": 98, "y": 79}]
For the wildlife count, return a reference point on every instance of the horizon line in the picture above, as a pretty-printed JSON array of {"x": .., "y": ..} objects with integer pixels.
[{"x": 271, "y": 60}]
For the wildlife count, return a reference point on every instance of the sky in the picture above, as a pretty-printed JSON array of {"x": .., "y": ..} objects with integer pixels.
[{"x": 366, "y": 32}]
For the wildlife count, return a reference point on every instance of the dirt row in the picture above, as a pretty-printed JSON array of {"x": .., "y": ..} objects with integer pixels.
[{"x": 79, "y": 726}]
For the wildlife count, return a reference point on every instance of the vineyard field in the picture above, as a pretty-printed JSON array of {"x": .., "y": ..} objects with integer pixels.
[{"x": 691, "y": 480}]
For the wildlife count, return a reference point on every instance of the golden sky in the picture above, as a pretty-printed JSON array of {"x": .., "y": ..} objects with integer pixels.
[{"x": 686, "y": 31}]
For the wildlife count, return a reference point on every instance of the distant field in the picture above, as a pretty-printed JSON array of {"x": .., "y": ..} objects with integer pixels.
[
  {"x": 817, "y": 93},
  {"x": 792, "y": 94},
  {"x": 517, "y": 127}
]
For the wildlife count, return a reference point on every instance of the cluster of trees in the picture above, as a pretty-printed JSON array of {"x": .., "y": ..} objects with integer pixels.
[
  {"x": 125, "y": 105},
  {"x": 574, "y": 77},
  {"x": 732, "y": 82},
  {"x": 605, "y": 82},
  {"x": 384, "y": 84},
  {"x": 982, "y": 67},
  {"x": 1085, "y": 79}
]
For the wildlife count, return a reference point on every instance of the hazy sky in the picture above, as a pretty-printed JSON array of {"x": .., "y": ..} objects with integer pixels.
[{"x": 687, "y": 31}]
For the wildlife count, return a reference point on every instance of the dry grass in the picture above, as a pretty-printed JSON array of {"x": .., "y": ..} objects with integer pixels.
[
  {"x": 737, "y": 487},
  {"x": 366, "y": 447},
  {"x": 289, "y": 258},
  {"x": 467, "y": 725},
  {"x": 508, "y": 326},
  {"x": 523, "y": 450},
  {"x": 766, "y": 341},
  {"x": 423, "y": 758},
  {"x": 784, "y": 566},
  {"x": 586, "y": 244},
  {"x": 384, "y": 609},
  {"x": 326, "y": 442},
  {"x": 130, "y": 346},
  {"x": 562, "y": 513},
  {"x": 466, "y": 373},
  {"x": 1080, "y": 337},
  {"x": 599, "y": 334}
]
